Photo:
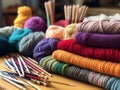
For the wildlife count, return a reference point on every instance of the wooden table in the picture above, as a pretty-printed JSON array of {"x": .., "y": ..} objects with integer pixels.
[{"x": 78, "y": 85}]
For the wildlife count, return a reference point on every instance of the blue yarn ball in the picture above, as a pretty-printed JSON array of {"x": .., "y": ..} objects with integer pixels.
[
  {"x": 28, "y": 42},
  {"x": 4, "y": 45},
  {"x": 45, "y": 47},
  {"x": 16, "y": 36}
]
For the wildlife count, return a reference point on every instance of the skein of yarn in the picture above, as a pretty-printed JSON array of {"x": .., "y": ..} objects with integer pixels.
[
  {"x": 80, "y": 74},
  {"x": 24, "y": 13},
  {"x": 16, "y": 36},
  {"x": 28, "y": 42},
  {"x": 45, "y": 47},
  {"x": 70, "y": 31},
  {"x": 7, "y": 31},
  {"x": 4, "y": 45},
  {"x": 99, "y": 27},
  {"x": 36, "y": 23},
  {"x": 98, "y": 40},
  {"x": 97, "y": 53},
  {"x": 55, "y": 31},
  {"x": 102, "y": 66}
]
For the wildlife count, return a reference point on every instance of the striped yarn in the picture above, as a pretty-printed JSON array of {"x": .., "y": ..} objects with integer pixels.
[
  {"x": 54, "y": 66},
  {"x": 98, "y": 40},
  {"x": 24, "y": 13},
  {"x": 80, "y": 74},
  {"x": 70, "y": 31},
  {"x": 99, "y": 27},
  {"x": 105, "y": 67},
  {"x": 100, "y": 53}
]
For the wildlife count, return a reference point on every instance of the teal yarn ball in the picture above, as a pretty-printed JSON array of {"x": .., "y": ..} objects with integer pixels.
[
  {"x": 16, "y": 36},
  {"x": 27, "y": 43},
  {"x": 4, "y": 45}
]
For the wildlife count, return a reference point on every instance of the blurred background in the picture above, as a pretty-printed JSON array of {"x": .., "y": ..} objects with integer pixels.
[{"x": 8, "y": 8}]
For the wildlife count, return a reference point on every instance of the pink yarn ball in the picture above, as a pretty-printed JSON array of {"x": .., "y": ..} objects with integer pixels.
[
  {"x": 62, "y": 23},
  {"x": 55, "y": 31},
  {"x": 36, "y": 23}
]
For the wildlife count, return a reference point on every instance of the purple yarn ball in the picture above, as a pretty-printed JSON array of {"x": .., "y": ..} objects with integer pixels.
[
  {"x": 36, "y": 23},
  {"x": 45, "y": 47}
]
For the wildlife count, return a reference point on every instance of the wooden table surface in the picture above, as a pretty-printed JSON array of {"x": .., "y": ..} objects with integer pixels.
[{"x": 78, "y": 85}]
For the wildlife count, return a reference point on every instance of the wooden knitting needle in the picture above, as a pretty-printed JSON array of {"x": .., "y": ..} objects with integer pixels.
[{"x": 37, "y": 66}]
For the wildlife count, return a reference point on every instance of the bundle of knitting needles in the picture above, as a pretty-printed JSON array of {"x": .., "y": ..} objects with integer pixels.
[
  {"x": 75, "y": 13},
  {"x": 24, "y": 72}
]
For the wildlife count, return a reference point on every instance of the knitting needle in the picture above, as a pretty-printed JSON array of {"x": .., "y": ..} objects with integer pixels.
[
  {"x": 32, "y": 60},
  {"x": 21, "y": 67},
  {"x": 24, "y": 64},
  {"x": 37, "y": 66},
  {"x": 73, "y": 13},
  {"x": 15, "y": 84},
  {"x": 11, "y": 67},
  {"x": 65, "y": 12},
  {"x": 17, "y": 81},
  {"x": 85, "y": 11},
  {"x": 16, "y": 67},
  {"x": 47, "y": 14},
  {"x": 33, "y": 85}
]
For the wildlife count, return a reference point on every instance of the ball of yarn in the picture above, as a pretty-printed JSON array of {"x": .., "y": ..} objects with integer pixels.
[
  {"x": 62, "y": 23},
  {"x": 24, "y": 13},
  {"x": 16, "y": 36},
  {"x": 7, "y": 31},
  {"x": 44, "y": 48},
  {"x": 4, "y": 45},
  {"x": 36, "y": 24},
  {"x": 70, "y": 31},
  {"x": 55, "y": 31},
  {"x": 28, "y": 42},
  {"x": 99, "y": 27}
]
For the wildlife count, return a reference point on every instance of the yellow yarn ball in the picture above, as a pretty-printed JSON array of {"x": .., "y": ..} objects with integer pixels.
[
  {"x": 24, "y": 13},
  {"x": 55, "y": 31},
  {"x": 70, "y": 31}
]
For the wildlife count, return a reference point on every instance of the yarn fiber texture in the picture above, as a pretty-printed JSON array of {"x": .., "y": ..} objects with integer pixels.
[
  {"x": 55, "y": 31},
  {"x": 44, "y": 48},
  {"x": 4, "y": 45},
  {"x": 24, "y": 13},
  {"x": 97, "y": 65},
  {"x": 27, "y": 43},
  {"x": 70, "y": 31},
  {"x": 62, "y": 23},
  {"x": 7, "y": 31},
  {"x": 36, "y": 23},
  {"x": 79, "y": 74},
  {"x": 16, "y": 36},
  {"x": 97, "y": 53},
  {"x": 106, "y": 27},
  {"x": 98, "y": 40}
]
